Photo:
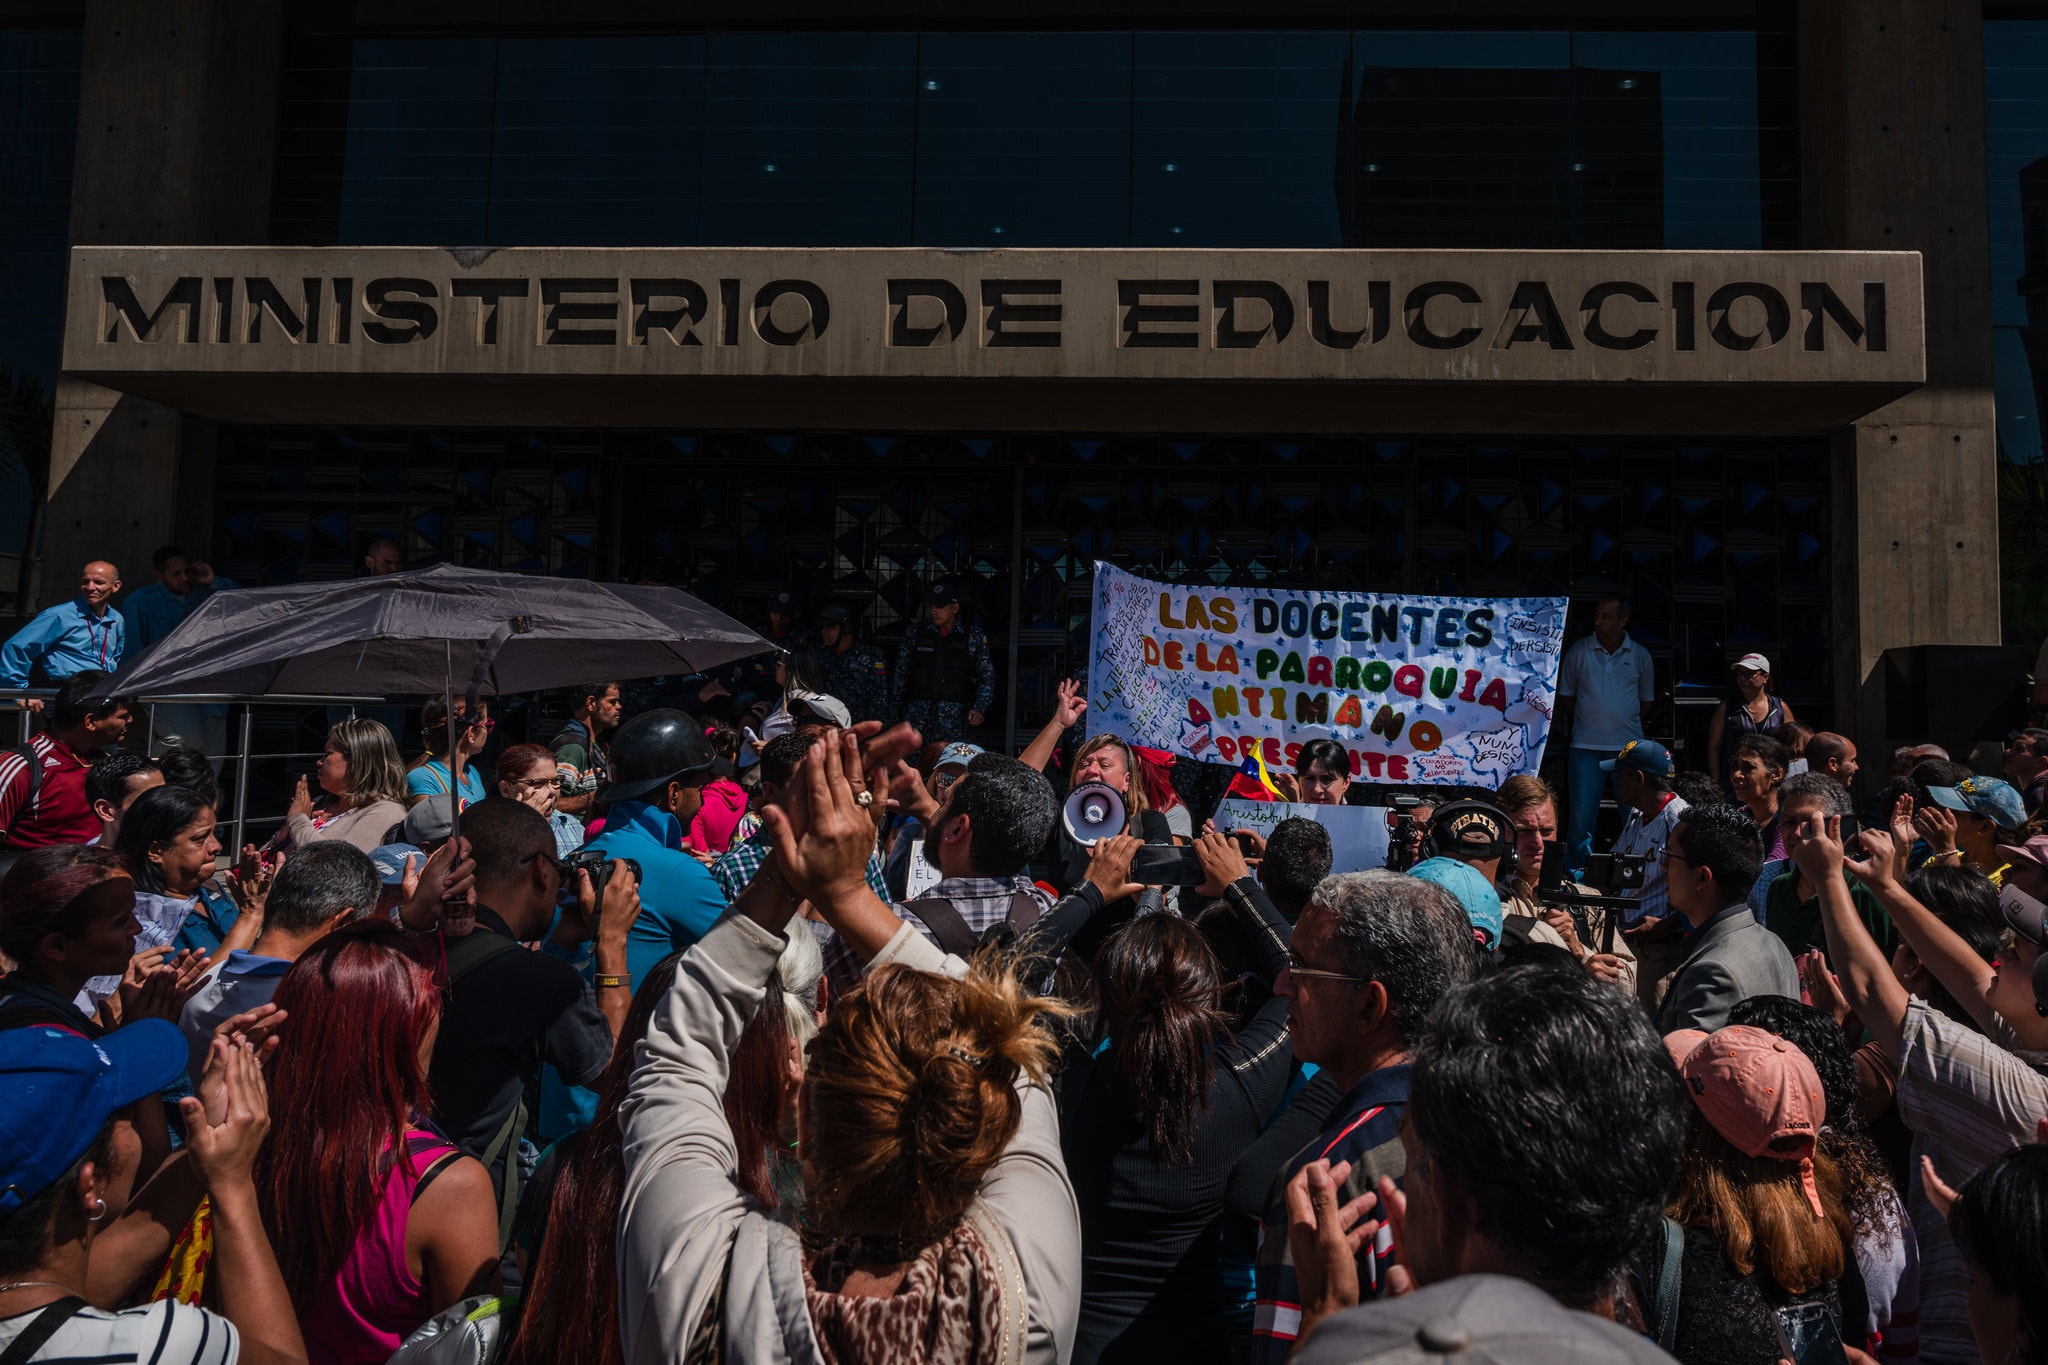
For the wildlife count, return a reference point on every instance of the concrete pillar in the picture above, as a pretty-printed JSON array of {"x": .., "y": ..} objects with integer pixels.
[
  {"x": 1893, "y": 153},
  {"x": 177, "y": 128}
]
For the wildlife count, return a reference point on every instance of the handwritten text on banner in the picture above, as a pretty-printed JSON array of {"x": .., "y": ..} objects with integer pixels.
[{"x": 1424, "y": 690}]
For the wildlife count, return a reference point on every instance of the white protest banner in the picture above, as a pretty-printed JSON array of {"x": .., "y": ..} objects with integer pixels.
[
  {"x": 1358, "y": 834},
  {"x": 1423, "y": 690}
]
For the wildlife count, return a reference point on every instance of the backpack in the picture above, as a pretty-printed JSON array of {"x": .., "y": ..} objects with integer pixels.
[
  {"x": 34, "y": 763},
  {"x": 464, "y": 956},
  {"x": 471, "y": 1332},
  {"x": 952, "y": 932}
]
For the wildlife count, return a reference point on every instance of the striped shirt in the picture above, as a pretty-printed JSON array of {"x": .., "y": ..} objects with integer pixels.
[
  {"x": 1365, "y": 1130},
  {"x": 165, "y": 1333},
  {"x": 1969, "y": 1099},
  {"x": 59, "y": 814}
]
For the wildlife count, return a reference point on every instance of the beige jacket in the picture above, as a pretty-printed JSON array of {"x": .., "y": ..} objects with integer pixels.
[
  {"x": 364, "y": 827},
  {"x": 1539, "y": 932},
  {"x": 685, "y": 1228}
]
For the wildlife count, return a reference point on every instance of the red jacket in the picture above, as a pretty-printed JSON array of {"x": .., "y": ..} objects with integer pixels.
[{"x": 60, "y": 814}]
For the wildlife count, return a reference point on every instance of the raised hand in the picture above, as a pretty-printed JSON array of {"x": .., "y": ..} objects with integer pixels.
[
  {"x": 224, "y": 1146},
  {"x": 822, "y": 835},
  {"x": 1326, "y": 1239},
  {"x": 1938, "y": 827},
  {"x": 1816, "y": 848},
  {"x": 1071, "y": 707},
  {"x": 1109, "y": 866},
  {"x": 302, "y": 800},
  {"x": 1221, "y": 862}
]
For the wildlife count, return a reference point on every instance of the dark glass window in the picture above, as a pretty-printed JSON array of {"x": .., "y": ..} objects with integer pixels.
[
  {"x": 1237, "y": 138},
  {"x": 1023, "y": 139},
  {"x": 416, "y": 168},
  {"x": 38, "y": 117},
  {"x": 1293, "y": 138},
  {"x": 598, "y": 141},
  {"x": 2016, "y": 136},
  {"x": 808, "y": 139}
]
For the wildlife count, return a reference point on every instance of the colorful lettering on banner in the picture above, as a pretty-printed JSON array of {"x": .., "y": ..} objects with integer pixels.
[{"x": 1433, "y": 690}]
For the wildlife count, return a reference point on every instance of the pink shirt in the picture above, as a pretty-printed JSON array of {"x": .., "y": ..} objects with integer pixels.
[{"x": 375, "y": 1302}]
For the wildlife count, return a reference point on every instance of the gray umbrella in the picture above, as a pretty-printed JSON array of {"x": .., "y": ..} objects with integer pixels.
[{"x": 418, "y": 631}]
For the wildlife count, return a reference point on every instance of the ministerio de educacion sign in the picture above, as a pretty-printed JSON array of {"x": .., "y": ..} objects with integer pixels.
[{"x": 140, "y": 316}]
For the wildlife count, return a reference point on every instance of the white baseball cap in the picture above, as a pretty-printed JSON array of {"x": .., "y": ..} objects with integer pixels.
[{"x": 1754, "y": 662}]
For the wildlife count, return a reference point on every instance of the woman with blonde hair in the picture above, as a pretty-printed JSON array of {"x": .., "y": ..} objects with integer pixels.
[
  {"x": 363, "y": 786},
  {"x": 1760, "y": 1203},
  {"x": 940, "y": 1224}
]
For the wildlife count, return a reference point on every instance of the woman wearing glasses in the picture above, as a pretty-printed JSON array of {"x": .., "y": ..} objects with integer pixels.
[
  {"x": 527, "y": 773},
  {"x": 428, "y": 775}
]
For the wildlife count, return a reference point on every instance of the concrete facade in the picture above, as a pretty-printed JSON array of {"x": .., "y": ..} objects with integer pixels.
[
  {"x": 1893, "y": 123},
  {"x": 177, "y": 128},
  {"x": 1568, "y": 341}
]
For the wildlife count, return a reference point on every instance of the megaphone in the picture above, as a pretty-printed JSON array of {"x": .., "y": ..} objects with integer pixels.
[{"x": 1093, "y": 811}]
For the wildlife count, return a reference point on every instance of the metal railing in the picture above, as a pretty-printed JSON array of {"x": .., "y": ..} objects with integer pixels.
[{"x": 245, "y": 737}]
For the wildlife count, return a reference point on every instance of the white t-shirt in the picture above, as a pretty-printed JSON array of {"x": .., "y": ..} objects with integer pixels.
[{"x": 166, "y": 1333}]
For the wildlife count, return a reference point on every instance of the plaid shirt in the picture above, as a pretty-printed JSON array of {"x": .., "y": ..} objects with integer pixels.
[
  {"x": 1969, "y": 1099},
  {"x": 737, "y": 866}
]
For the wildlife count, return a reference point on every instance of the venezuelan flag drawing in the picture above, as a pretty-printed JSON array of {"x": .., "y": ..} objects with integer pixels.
[{"x": 1254, "y": 781}]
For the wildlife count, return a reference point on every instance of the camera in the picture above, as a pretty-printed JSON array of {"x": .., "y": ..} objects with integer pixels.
[
  {"x": 600, "y": 866},
  {"x": 1401, "y": 832},
  {"x": 1615, "y": 874}
]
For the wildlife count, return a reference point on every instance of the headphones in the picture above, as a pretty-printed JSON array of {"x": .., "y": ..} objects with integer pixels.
[
  {"x": 1473, "y": 831},
  {"x": 2028, "y": 918}
]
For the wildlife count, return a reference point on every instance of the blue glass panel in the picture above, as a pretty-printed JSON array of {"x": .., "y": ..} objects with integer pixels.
[
  {"x": 1024, "y": 139},
  {"x": 2016, "y": 136},
  {"x": 810, "y": 139},
  {"x": 38, "y": 115},
  {"x": 599, "y": 141},
  {"x": 1237, "y": 137},
  {"x": 416, "y": 170},
  {"x": 1707, "y": 107}
]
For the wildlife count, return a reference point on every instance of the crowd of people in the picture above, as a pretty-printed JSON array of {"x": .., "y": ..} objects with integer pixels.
[{"x": 772, "y": 1029}]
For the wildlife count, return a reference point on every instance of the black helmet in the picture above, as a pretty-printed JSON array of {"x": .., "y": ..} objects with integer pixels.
[{"x": 654, "y": 747}]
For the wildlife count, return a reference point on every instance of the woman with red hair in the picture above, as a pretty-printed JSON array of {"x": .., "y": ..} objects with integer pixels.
[{"x": 378, "y": 1224}]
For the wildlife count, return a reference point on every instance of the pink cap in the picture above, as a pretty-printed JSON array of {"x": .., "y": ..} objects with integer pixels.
[{"x": 1758, "y": 1091}]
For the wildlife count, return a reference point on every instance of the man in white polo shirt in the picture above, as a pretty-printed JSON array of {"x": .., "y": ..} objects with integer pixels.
[{"x": 1604, "y": 687}]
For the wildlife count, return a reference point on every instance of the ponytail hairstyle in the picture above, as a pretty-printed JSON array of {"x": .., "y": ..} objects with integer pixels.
[
  {"x": 911, "y": 1097},
  {"x": 1161, "y": 988}
]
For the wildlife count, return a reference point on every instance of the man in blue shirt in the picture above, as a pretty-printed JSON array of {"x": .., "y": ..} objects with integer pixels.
[
  {"x": 659, "y": 765},
  {"x": 154, "y": 611},
  {"x": 1604, "y": 687},
  {"x": 70, "y": 637},
  {"x": 182, "y": 583}
]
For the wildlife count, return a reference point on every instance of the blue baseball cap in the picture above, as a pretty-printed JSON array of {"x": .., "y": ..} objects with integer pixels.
[
  {"x": 1474, "y": 892},
  {"x": 959, "y": 752},
  {"x": 58, "y": 1089},
  {"x": 390, "y": 861},
  {"x": 1642, "y": 756},
  {"x": 1993, "y": 798}
]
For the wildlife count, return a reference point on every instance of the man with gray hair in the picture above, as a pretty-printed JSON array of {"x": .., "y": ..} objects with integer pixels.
[
  {"x": 1372, "y": 954},
  {"x": 317, "y": 890},
  {"x": 1791, "y": 902}
]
